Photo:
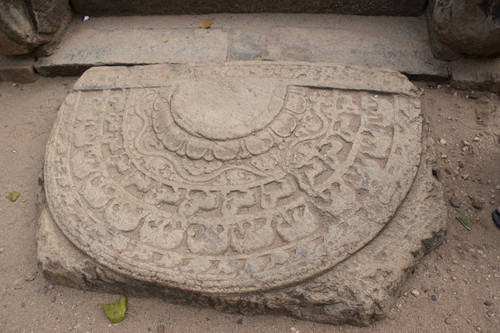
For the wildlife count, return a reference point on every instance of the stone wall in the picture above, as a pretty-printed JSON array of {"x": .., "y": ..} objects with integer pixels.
[{"x": 160, "y": 7}]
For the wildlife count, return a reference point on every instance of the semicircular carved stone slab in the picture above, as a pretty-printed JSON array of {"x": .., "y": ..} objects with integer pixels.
[{"x": 231, "y": 178}]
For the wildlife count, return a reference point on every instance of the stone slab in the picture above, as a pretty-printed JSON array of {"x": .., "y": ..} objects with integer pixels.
[
  {"x": 87, "y": 47},
  {"x": 17, "y": 69},
  {"x": 372, "y": 48},
  {"x": 393, "y": 42},
  {"x": 294, "y": 188},
  {"x": 476, "y": 74},
  {"x": 154, "y": 7}
]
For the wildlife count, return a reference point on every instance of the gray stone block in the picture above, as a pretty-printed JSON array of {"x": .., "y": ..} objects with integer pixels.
[
  {"x": 476, "y": 74},
  {"x": 87, "y": 47},
  {"x": 374, "y": 48},
  {"x": 392, "y": 42},
  {"x": 17, "y": 69}
]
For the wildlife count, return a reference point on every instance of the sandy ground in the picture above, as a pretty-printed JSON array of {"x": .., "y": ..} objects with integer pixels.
[{"x": 458, "y": 285}]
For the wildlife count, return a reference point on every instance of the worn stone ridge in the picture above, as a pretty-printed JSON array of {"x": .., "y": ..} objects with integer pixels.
[
  {"x": 251, "y": 185},
  {"x": 399, "y": 43},
  {"x": 145, "y": 7},
  {"x": 318, "y": 75}
]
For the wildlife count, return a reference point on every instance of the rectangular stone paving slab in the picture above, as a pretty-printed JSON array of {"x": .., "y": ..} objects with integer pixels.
[
  {"x": 295, "y": 188},
  {"x": 399, "y": 43}
]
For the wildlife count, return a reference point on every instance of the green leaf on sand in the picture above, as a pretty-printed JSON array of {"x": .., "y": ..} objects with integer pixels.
[
  {"x": 116, "y": 311},
  {"x": 13, "y": 196},
  {"x": 464, "y": 220}
]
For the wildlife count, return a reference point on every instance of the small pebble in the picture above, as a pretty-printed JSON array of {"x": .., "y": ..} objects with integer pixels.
[
  {"x": 442, "y": 141},
  {"x": 434, "y": 298},
  {"x": 488, "y": 303},
  {"x": 455, "y": 202},
  {"x": 30, "y": 277},
  {"x": 461, "y": 165},
  {"x": 454, "y": 278},
  {"x": 53, "y": 298},
  {"x": 2, "y": 249},
  {"x": 475, "y": 95},
  {"x": 448, "y": 321},
  {"x": 466, "y": 143},
  {"x": 415, "y": 292},
  {"x": 476, "y": 139},
  {"x": 240, "y": 321},
  {"x": 477, "y": 205}
]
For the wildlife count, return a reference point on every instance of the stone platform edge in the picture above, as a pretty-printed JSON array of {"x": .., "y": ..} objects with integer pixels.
[{"x": 357, "y": 291}]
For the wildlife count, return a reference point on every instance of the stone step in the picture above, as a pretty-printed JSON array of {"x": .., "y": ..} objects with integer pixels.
[{"x": 399, "y": 43}]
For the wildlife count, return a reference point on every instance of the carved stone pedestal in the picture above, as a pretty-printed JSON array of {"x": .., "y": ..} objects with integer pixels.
[{"x": 295, "y": 188}]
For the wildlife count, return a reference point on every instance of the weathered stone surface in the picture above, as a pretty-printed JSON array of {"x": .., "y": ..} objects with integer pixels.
[
  {"x": 225, "y": 184},
  {"x": 411, "y": 56},
  {"x": 478, "y": 74},
  {"x": 27, "y": 24},
  {"x": 17, "y": 69},
  {"x": 155, "y": 7},
  {"x": 247, "y": 45},
  {"x": 392, "y": 42},
  {"x": 84, "y": 48},
  {"x": 49, "y": 14},
  {"x": 470, "y": 27}
]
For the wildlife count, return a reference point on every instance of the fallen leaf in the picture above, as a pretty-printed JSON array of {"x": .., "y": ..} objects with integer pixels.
[
  {"x": 206, "y": 23},
  {"x": 165, "y": 41},
  {"x": 13, "y": 196},
  {"x": 464, "y": 220},
  {"x": 116, "y": 311}
]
